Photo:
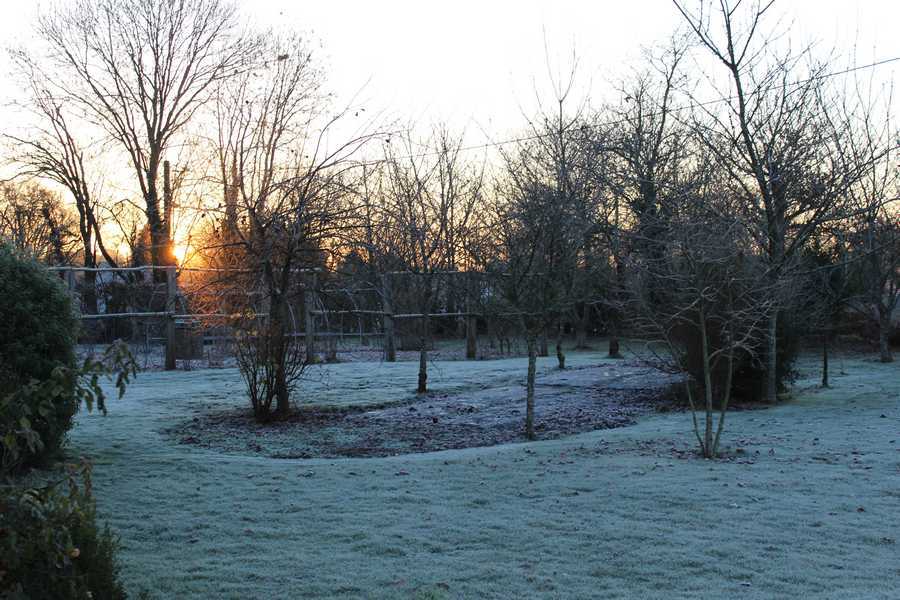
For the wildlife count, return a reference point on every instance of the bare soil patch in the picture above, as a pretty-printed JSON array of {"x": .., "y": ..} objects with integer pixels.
[{"x": 567, "y": 402}]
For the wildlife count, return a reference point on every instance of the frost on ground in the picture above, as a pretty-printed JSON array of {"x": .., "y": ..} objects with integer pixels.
[
  {"x": 152, "y": 356},
  {"x": 807, "y": 507},
  {"x": 481, "y": 413}
]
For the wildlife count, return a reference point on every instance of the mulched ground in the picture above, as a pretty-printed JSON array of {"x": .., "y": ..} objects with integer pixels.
[{"x": 566, "y": 403}]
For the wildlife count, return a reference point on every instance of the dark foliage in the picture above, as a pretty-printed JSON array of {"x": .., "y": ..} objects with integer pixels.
[
  {"x": 37, "y": 335},
  {"x": 51, "y": 545}
]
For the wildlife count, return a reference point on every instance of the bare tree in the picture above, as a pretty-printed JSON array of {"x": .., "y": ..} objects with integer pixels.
[
  {"x": 873, "y": 231},
  {"x": 543, "y": 219},
  {"x": 829, "y": 287},
  {"x": 536, "y": 249},
  {"x": 524, "y": 242},
  {"x": 374, "y": 241},
  {"x": 646, "y": 148},
  {"x": 876, "y": 243},
  {"x": 705, "y": 289},
  {"x": 51, "y": 150},
  {"x": 35, "y": 220},
  {"x": 141, "y": 69},
  {"x": 773, "y": 137},
  {"x": 289, "y": 194},
  {"x": 553, "y": 175},
  {"x": 428, "y": 205}
]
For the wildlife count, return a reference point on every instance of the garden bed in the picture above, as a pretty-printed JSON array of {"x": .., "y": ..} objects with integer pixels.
[{"x": 566, "y": 402}]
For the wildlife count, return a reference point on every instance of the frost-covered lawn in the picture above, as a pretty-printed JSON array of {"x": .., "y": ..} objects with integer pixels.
[{"x": 810, "y": 508}]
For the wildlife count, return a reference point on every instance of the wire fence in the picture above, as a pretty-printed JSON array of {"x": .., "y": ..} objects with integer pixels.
[{"x": 192, "y": 313}]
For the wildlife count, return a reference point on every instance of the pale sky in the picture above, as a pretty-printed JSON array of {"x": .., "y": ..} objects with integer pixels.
[{"x": 474, "y": 63}]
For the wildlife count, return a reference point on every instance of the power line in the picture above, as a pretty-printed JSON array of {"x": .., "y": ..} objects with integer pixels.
[{"x": 538, "y": 136}]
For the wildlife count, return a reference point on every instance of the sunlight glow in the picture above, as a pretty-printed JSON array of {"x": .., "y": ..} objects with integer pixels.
[{"x": 181, "y": 251}]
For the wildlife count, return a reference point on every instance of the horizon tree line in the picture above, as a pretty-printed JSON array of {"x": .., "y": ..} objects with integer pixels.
[{"x": 684, "y": 223}]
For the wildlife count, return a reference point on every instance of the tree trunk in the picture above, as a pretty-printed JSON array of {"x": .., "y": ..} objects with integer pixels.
[
  {"x": 560, "y": 356},
  {"x": 614, "y": 347},
  {"x": 423, "y": 358},
  {"x": 158, "y": 242},
  {"x": 615, "y": 315},
  {"x": 708, "y": 391},
  {"x": 581, "y": 325},
  {"x": 279, "y": 355},
  {"x": 726, "y": 396},
  {"x": 89, "y": 292},
  {"x": 884, "y": 328},
  {"x": 309, "y": 325},
  {"x": 772, "y": 359},
  {"x": 168, "y": 215},
  {"x": 390, "y": 345},
  {"x": 471, "y": 323},
  {"x": 160, "y": 245},
  {"x": 529, "y": 388},
  {"x": 171, "y": 297},
  {"x": 825, "y": 342},
  {"x": 543, "y": 350},
  {"x": 89, "y": 283},
  {"x": 471, "y": 337},
  {"x": 282, "y": 398},
  {"x": 491, "y": 332}
]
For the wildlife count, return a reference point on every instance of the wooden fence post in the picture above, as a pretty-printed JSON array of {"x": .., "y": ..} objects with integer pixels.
[
  {"x": 72, "y": 288},
  {"x": 171, "y": 295},
  {"x": 471, "y": 321},
  {"x": 310, "y": 324},
  {"x": 390, "y": 347}
]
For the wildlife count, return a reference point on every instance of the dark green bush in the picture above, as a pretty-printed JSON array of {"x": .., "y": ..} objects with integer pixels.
[
  {"x": 749, "y": 380},
  {"x": 51, "y": 546},
  {"x": 37, "y": 335}
]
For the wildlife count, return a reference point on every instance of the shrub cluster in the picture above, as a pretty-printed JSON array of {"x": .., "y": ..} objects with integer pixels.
[
  {"x": 50, "y": 544},
  {"x": 37, "y": 336}
]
